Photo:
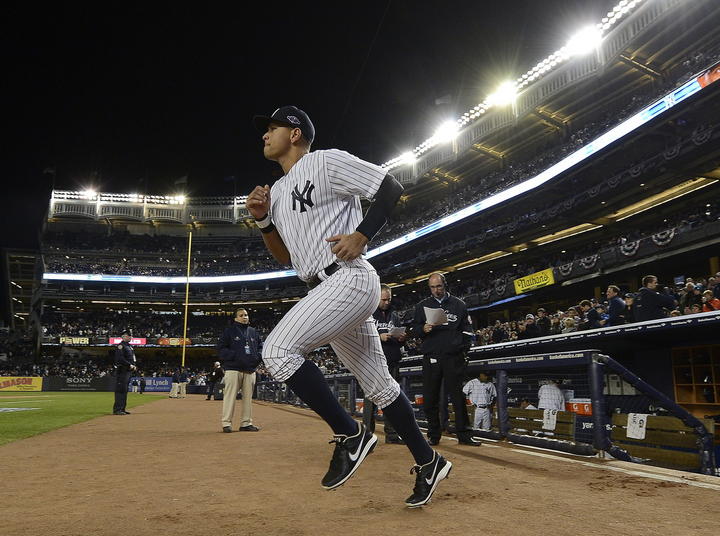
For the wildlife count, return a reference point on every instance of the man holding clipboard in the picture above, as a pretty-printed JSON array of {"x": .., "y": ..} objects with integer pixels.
[
  {"x": 442, "y": 322},
  {"x": 392, "y": 337}
]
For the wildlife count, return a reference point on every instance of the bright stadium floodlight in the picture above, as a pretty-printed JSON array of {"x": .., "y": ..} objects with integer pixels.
[
  {"x": 88, "y": 193},
  {"x": 584, "y": 41},
  {"x": 505, "y": 94},
  {"x": 448, "y": 131},
  {"x": 408, "y": 158}
]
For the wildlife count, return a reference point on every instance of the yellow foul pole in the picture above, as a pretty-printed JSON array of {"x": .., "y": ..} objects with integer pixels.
[{"x": 187, "y": 297}]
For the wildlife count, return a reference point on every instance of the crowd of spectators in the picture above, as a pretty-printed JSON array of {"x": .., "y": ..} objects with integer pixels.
[
  {"x": 142, "y": 324},
  {"x": 693, "y": 296}
]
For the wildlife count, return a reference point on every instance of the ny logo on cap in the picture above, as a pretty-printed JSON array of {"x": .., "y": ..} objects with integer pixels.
[
  {"x": 294, "y": 120},
  {"x": 304, "y": 198}
]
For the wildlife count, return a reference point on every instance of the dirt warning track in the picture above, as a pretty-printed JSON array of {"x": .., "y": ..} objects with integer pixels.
[{"x": 167, "y": 468}]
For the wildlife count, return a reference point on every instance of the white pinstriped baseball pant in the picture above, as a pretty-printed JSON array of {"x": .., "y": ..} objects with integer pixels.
[{"x": 336, "y": 312}]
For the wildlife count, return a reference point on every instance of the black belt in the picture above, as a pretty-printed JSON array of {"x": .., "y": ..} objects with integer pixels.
[{"x": 322, "y": 275}]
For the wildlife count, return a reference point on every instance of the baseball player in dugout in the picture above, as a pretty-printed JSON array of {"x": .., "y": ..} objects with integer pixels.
[
  {"x": 125, "y": 362},
  {"x": 392, "y": 340},
  {"x": 239, "y": 350},
  {"x": 312, "y": 219},
  {"x": 445, "y": 343}
]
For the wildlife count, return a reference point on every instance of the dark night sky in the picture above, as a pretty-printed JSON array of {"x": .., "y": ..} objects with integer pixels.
[{"x": 129, "y": 98}]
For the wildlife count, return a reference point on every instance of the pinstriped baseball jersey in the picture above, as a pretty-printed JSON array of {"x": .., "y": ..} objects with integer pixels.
[
  {"x": 480, "y": 393},
  {"x": 319, "y": 198}
]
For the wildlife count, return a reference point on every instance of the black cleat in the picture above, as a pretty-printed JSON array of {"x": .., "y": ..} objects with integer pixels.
[
  {"x": 249, "y": 428},
  {"x": 119, "y": 413},
  {"x": 227, "y": 429},
  {"x": 350, "y": 451},
  {"x": 427, "y": 479},
  {"x": 126, "y": 412},
  {"x": 434, "y": 441},
  {"x": 469, "y": 441}
]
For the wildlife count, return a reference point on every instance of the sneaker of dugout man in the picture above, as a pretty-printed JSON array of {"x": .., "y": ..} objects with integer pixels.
[
  {"x": 427, "y": 478},
  {"x": 394, "y": 440},
  {"x": 350, "y": 451},
  {"x": 249, "y": 428},
  {"x": 469, "y": 441}
]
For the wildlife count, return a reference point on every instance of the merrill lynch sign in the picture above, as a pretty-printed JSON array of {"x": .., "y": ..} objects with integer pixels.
[{"x": 533, "y": 281}]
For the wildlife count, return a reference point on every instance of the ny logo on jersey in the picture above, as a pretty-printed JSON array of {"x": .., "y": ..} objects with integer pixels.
[{"x": 304, "y": 198}]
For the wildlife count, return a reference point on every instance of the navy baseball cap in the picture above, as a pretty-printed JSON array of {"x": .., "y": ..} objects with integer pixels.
[{"x": 290, "y": 116}]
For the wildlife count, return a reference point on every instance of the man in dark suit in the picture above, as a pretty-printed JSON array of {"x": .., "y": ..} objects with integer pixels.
[{"x": 124, "y": 364}]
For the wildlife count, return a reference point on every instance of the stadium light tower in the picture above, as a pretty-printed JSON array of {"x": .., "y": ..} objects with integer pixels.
[
  {"x": 505, "y": 94},
  {"x": 448, "y": 131},
  {"x": 584, "y": 41}
]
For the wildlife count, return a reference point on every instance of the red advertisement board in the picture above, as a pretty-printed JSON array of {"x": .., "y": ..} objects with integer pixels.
[{"x": 135, "y": 341}]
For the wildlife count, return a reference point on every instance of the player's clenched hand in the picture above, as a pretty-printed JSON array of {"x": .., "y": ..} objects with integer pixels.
[
  {"x": 258, "y": 202},
  {"x": 348, "y": 247}
]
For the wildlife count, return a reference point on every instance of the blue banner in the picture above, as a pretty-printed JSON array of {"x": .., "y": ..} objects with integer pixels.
[{"x": 158, "y": 384}]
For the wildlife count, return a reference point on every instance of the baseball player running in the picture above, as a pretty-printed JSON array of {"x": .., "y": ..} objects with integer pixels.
[{"x": 312, "y": 218}]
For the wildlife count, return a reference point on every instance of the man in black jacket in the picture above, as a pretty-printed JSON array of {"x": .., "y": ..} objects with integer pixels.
[
  {"x": 444, "y": 347},
  {"x": 124, "y": 363},
  {"x": 616, "y": 306},
  {"x": 239, "y": 350},
  {"x": 649, "y": 303},
  {"x": 386, "y": 319},
  {"x": 213, "y": 378}
]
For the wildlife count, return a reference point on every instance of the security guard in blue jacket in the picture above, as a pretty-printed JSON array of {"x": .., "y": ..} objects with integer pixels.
[
  {"x": 124, "y": 364},
  {"x": 239, "y": 349}
]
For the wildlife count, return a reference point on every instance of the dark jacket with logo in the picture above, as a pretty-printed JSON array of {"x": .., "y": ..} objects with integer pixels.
[
  {"x": 216, "y": 375},
  {"x": 649, "y": 304},
  {"x": 239, "y": 348},
  {"x": 443, "y": 340},
  {"x": 385, "y": 321},
  {"x": 124, "y": 357}
]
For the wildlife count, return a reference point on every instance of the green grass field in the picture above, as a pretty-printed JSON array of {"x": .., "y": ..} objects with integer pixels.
[{"x": 55, "y": 410}]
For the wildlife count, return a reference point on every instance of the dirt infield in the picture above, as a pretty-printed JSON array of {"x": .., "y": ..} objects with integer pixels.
[{"x": 167, "y": 469}]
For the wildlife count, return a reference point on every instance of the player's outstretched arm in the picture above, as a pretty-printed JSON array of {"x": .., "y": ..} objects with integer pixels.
[{"x": 258, "y": 204}]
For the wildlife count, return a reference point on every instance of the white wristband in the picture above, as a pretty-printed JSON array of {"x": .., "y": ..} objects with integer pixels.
[{"x": 264, "y": 222}]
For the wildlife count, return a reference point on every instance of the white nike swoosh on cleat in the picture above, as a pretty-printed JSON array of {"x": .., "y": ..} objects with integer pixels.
[
  {"x": 355, "y": 456},
  {"x": 432, "y": 476}
]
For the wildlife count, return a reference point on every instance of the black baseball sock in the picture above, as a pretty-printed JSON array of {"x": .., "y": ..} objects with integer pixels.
[
  {"x": 312, "y": 388},
  {"x": 401, "y": 416}
]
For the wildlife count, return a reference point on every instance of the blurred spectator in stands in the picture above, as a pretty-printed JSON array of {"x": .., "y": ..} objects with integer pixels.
[
  {"x": 629, "y": 314},
  {"x": 710, "y": 302},
  {"x": 498, "y": 333},
  {"x": 556, "y": 325},
  {"x": 569, "y": 323},
  {"x": 550, "y": 396},
  {"x": 528, "y": 329},
  {"x": 716, "y": 285},
  {"x": 591, "y": 318},
  {"x": 543, "y": 322},
  {"x": 688, "y": 296},
  {"x": 649, "y": 303},
  {"x": 695, "y": 309},
  {"x": 616, "y": 306}
]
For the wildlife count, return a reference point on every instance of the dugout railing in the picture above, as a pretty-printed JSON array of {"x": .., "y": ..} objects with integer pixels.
[{"x": 675, "y": 438}]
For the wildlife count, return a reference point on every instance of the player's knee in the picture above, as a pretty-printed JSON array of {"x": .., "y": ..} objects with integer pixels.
[{"x": 384, "y": 395}]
